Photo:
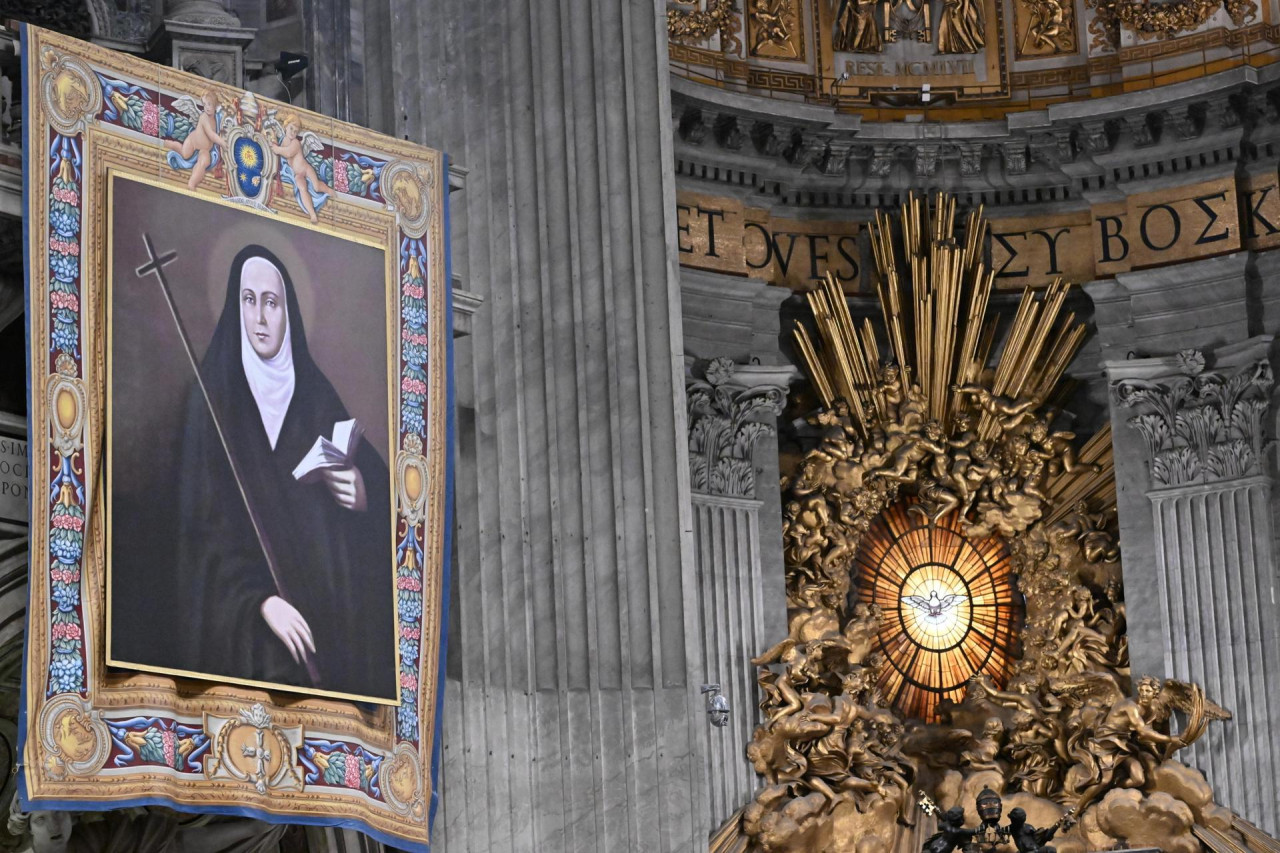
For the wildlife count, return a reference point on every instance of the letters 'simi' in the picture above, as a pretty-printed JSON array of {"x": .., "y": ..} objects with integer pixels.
[{"x": 239, "y": 432}]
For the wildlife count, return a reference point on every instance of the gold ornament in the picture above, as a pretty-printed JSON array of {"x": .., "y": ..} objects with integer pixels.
[
  {"x": 254, "y": 750},
  {"x": 693, "y": 27},
  {"x": 961, "y": 28},
  {"x": 1159, "y": 20},
  {"x": 856, "y": 27},
  {"x": 774, "y": 28},
  {"x": 1050, "y": 30},
  {"x": 930, "y": 463}
]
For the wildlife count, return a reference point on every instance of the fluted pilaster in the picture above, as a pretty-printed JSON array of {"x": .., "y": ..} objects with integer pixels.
[
  {"x": 1202, "y": 423},
  {"x": 727, "y": 533},
  {"x": 731, "y": 409},
  {"x": 1214, "y": 543}
]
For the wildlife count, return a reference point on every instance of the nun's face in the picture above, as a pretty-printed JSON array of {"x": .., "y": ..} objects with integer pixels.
[{"x": 262, "y": 307}]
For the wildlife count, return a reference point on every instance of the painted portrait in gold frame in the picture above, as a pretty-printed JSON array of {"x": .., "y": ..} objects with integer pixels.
[{"x": 288, "y": 326}]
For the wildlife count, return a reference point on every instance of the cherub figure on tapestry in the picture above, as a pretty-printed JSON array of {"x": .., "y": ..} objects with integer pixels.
[
  {"x": 198, "y": 150},
  {"x": 296, "y": 149}
]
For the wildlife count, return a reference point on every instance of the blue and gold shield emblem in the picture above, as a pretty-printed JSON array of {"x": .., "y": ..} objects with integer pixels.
[
  {"x": 251, "y": 167},
  {"x": 248, "y": 160}
]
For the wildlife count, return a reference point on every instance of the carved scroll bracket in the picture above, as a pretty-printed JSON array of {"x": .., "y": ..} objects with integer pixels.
[
  {"x": 727, "y": 403},
  {"x": 1200, "y": 426}
]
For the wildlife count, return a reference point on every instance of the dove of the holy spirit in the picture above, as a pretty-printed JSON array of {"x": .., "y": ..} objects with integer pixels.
[{"x": 935, "y": 607}]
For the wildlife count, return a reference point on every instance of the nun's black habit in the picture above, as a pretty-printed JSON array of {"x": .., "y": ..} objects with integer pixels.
[{"x": 334, "y": 564}]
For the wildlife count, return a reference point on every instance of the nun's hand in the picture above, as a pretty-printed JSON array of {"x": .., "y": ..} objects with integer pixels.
[
  {"x": 287, "y": 623},
  {"x": 347, "y": 487}
]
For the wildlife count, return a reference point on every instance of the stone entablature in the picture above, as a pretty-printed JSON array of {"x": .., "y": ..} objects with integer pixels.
[
  {"x": 811, "y": 156},
  {"x": 1081, "y": 190}
]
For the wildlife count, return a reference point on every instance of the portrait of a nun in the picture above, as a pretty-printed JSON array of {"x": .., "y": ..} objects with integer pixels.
[{"x": 325, "y": 620}]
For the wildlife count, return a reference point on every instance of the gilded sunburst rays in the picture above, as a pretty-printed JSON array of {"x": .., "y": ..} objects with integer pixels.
[
  {"x": 950, "y": 607},
  {"x": 934, "y": 290}
]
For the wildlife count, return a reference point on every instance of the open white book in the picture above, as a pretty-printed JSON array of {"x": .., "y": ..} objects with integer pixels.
[{"x": 330, "y": 453}]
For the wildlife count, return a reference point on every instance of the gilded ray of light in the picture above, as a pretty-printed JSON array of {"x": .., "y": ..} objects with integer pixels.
[
  {"x": 934, "y": 291},
  {"x": 950, "y": 609}
]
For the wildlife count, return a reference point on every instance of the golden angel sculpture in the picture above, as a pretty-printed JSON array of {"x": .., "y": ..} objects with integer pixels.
[
  {"x": 960, "y": 27},
  {"x": 856, "y": 29},
  {"x": 957, "y": 617}
]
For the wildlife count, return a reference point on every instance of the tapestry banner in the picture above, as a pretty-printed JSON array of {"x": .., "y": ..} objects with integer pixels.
[{"x": 240, "y": 419}]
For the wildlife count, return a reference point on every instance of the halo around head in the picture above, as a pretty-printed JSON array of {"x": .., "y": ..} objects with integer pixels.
[{"x": 247, "y": 231}]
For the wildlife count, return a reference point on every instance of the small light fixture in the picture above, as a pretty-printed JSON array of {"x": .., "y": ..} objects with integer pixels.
[
  {"x": 835, "y": 87},
  {"x": 717, "y": 705},
  {"x": 273, "y": 80},
  {"x": 291, "y": 64},
  {"x": 925, "y": 94}
]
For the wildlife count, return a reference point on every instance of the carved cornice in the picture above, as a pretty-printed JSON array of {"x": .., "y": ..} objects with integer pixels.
[
  {"x": 65, "y": 16},
  {"x": 725, "y": 409},
  {"x": 210, "y": 13},
  {"x": 1201, "y": 426},
  {"x": 805, "y": 155}
]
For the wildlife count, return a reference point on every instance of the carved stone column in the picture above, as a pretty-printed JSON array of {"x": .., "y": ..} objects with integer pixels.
[
  {"x": 1202, "y": 423},
  {"x": 731, "y": 408},
  {"x": 572, "y": 717},
  {"x": 1201, "y": 304},
  {"x": 120, "y": 25}
]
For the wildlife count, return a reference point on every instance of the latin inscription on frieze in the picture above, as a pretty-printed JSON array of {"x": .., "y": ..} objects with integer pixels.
[
  {"x": 1143, "y": 230},
  {"x": 918, "y": 68},
  {"x": 721, "y": 234}
]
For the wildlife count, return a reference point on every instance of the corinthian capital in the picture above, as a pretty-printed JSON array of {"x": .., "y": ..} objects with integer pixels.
[
  {"x": 1199, "y": 425},
  {"x": 726, "y": 406}
]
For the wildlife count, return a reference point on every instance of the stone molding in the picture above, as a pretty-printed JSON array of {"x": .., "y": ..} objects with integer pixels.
[
  {"x": 204, "y": 37},
  {"x": 805, "y": 155},
  {"x": 466, "y": 305},
  {"x": 728, "y": 502},
  {"x": 725, "y": 406}
]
